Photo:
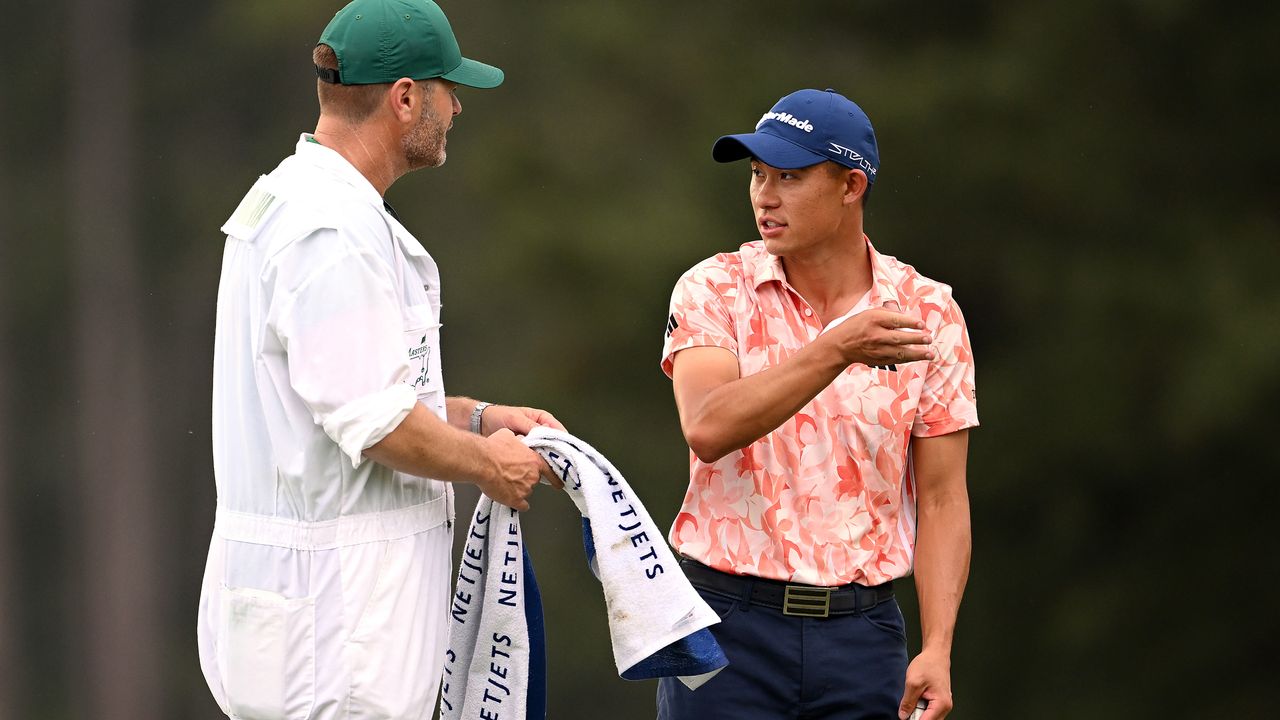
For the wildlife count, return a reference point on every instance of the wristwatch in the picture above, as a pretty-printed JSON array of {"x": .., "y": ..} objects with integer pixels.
[{"x": 476, "y": 414}]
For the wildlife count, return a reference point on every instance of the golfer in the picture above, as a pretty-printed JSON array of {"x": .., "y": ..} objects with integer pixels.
[{"x": 825, "y": 391}]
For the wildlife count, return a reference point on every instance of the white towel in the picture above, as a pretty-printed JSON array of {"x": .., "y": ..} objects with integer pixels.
[
  {"x": 651, "y": 604},
  {"x": 495, "y": 663},
  {"x": 495, "y": 666}
]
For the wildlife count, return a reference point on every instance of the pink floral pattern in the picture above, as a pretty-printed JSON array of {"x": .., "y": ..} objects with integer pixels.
[{"x": 827, "y": 498}]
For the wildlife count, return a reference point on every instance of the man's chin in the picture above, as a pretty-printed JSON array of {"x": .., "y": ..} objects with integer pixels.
[
  {"x": 441, "y": 155},
  {"x": 774, "y": 246},
  {"x": 432, "y": 162}
]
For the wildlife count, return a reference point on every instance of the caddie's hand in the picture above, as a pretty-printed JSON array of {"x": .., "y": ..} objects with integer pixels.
[
  {"x": 882, "y": 336},
  {"x": 516, "y": 470},
  {"x": 519, "y": 420},
  {"x": 928, "y": 677}
]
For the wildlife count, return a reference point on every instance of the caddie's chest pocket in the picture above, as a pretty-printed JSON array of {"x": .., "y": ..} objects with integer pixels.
[{"x": 422, "y": 347}]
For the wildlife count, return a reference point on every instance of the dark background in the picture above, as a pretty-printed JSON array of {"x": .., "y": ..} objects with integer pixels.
[{"x": 1099, "y": 181}]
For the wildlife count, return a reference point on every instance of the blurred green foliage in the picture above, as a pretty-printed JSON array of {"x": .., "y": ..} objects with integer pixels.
[{"x": 1099, "y": 181}]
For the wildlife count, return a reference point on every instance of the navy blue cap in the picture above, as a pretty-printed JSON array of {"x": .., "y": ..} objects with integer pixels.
[{"x": 805, "y": 128}]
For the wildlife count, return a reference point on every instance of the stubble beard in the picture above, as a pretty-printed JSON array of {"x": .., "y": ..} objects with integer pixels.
[{"x": 424, "y": 146}]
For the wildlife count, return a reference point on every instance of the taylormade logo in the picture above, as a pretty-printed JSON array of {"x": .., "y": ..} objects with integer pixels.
[{"x": 787, "y": 118}]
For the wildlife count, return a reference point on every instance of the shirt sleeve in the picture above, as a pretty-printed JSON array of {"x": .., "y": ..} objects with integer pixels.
[
  {"x": 948, "y": 401},
  {"x": 336, "y": 314},
  {"x": 699, "y": 314}
]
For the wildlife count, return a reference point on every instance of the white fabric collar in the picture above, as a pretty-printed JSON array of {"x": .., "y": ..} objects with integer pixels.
[{"x": 329, "y": 160}]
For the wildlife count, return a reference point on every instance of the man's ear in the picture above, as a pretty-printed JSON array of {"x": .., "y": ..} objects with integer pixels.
[
  {"x": 402, "y": 99},
  {"x": 855, "y": 185}
]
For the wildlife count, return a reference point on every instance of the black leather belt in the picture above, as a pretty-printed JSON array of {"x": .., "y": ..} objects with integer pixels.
[{"x": 791, "y": 599}]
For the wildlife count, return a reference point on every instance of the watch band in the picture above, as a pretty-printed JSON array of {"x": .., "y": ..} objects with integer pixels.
[{"x": 476, "y": 416}]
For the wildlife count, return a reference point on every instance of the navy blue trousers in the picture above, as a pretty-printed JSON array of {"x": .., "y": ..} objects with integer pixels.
[{"x": 846, "y": 667}]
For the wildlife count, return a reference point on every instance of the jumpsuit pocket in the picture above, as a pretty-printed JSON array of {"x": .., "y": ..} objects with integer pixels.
[
  {"x": 396, "y": 651},
  {"x": 267, "y": 654},
  {"x": 421, "y": 343},
  {"x": 422, "y": 346}
]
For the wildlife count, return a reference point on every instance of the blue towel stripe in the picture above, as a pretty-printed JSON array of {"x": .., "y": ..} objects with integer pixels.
[
  {"x": 692, "y": 654},
  {"x": 589, "y": 547},
  {"x": 536, "y": 696}
]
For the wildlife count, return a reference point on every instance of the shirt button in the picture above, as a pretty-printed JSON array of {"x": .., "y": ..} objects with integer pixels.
[{"x": 808, "y": 312}]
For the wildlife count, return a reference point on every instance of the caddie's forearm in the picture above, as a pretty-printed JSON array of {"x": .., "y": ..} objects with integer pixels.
[
  {"x": 426, "y": 446},
  {"x": 458, "y": 408},
  {"x": 736, "y": 414},
  {"x": 943, "y": 546}
]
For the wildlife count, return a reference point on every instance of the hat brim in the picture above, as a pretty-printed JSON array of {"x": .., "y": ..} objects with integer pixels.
[
  {"x": 768, "y": 149},
  {"x": 475, "y": 74}
]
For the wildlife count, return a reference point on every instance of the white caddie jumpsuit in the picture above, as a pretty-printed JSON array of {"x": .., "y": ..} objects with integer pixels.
[{"x": 328, "y": 575}]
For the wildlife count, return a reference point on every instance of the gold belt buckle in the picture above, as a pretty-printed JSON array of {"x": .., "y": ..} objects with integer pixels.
[{"x": 803, "y": 601}]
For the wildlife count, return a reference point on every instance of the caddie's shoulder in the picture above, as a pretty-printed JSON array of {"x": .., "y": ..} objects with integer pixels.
[
  {"x": 255, "y": 211},
  {"x": 328, "y": 206}
]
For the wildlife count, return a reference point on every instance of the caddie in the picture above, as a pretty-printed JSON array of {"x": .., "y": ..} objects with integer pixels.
[{"x": 334, "y": 443}]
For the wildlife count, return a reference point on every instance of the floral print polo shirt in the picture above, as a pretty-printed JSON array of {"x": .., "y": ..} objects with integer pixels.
[{"x": 827, "y": 498}]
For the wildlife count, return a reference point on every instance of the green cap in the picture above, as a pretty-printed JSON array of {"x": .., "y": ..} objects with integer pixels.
[{"x": 381, "y": 41}]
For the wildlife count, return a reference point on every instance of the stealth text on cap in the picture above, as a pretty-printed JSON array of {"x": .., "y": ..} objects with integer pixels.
[
  {"x": 787, "y": 118},
  {"x": 852, "y": 155}
]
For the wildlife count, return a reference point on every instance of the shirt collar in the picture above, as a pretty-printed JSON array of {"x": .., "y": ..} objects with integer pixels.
[
  {"x": 761, "y": 267},
  {"x": 328, "y": 160},
  {"x": 886, "y": 277}
]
